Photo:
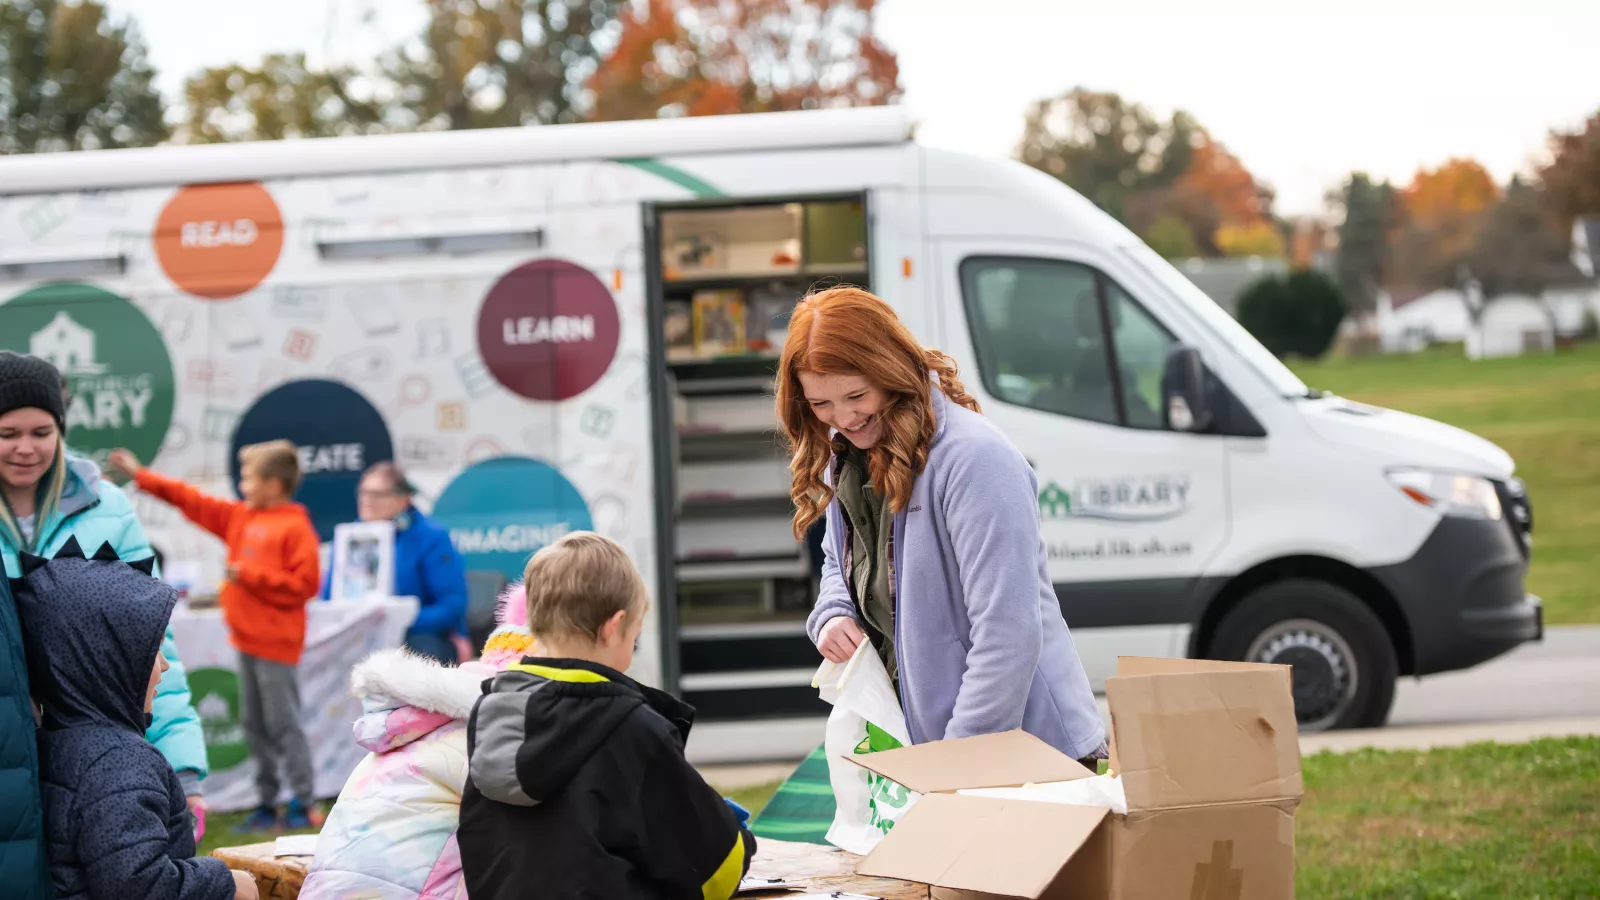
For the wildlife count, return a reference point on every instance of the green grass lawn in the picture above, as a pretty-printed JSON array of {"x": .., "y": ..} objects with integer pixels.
[
  {"x": 1544, "y": 411},
  {"x": 219, "y": 831},
  {"x": 1488, "y": 821}
]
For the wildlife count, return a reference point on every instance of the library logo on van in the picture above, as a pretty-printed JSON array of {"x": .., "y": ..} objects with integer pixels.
[
  {"x": 1140, "y": 498},
  {"x": 115, "y": 363},
  {"x": 548, "y": 330},
  {"x": 500, "y": 511},
  {"x": 215, "y": 693}
]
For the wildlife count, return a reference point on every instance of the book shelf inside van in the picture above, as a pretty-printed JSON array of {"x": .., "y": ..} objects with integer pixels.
[{"x": 730, "y": 276}]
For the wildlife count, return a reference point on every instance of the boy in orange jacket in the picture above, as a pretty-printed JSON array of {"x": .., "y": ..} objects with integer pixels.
[{"x": 272, "y": 573}]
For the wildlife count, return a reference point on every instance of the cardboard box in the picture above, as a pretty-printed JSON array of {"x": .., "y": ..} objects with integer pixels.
[{"x": 1209, "y": 757}]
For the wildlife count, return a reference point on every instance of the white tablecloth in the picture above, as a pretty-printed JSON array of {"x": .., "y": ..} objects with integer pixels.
[{"x": 339, "y": 634}]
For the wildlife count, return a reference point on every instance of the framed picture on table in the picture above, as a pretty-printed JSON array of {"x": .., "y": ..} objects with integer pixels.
[{"x": 363, "y": 561}]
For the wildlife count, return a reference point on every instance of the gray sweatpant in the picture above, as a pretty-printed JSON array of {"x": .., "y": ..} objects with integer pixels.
[{"x": 269, "y": 694}]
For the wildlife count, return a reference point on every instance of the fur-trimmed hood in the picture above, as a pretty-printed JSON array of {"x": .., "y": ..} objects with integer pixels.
[{"x": 407, "y": 697}]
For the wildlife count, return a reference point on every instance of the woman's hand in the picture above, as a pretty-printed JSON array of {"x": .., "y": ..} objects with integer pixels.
[{"x": 839, "y": 639}]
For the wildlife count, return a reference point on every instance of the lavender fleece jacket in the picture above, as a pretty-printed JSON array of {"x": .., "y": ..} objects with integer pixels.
[{"x": 980, "y": 639}]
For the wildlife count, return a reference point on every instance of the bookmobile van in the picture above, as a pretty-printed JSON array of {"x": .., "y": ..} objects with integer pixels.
[{"x": 575, "y": 327}]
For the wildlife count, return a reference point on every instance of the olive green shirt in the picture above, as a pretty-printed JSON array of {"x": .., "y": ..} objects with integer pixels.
[{"x": 871, "y": 571}]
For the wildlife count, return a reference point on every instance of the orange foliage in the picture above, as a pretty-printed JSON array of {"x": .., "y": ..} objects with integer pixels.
[
  {"x": 1220, "y": 177},
  {"x": 1458, "y": 189},
  {"x": 713, "y": 57}
]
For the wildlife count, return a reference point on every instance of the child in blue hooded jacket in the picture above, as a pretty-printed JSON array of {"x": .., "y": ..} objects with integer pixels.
[{"x": 115, "y": 821}]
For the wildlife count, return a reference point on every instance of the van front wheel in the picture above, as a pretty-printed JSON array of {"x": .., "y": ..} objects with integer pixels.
[{"x": 1344, "y": 662}]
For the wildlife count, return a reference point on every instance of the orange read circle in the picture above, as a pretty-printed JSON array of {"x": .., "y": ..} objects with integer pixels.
[{"x": 219, "y": 240}]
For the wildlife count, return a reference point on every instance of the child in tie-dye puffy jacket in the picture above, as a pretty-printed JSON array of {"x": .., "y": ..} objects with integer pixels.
[{"x": 392, "y": 833}]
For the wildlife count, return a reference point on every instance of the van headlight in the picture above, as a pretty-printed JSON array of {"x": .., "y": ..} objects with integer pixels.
[{"x": 1466, "y": 496}]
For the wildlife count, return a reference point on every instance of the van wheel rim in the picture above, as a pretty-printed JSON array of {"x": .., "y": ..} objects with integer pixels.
[{"x": 1325, "y": 672}]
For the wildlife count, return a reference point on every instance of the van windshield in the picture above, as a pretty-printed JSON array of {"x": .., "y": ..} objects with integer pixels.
[{"x": 1223, "y": 325}]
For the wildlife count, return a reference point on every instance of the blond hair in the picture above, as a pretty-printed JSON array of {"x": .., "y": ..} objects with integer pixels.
[
  {"x": 577, "y": 584},
  {"x": 273, "y": 459},
  {"x": 49, "y": 500}
]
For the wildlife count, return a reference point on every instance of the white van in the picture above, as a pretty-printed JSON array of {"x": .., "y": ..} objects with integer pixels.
[{"x": 575, "y": 327}]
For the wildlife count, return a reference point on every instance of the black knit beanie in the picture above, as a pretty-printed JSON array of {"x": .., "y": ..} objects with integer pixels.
[{"x": 28, "y": 382}]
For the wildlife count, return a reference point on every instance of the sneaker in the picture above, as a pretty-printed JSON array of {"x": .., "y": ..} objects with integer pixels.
[
  {"x": 299, "y": 816},
  {"x": 262, "y": 818}
]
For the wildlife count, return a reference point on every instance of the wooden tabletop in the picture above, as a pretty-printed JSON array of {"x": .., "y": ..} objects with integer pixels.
[{"x": 820, "y": 869}]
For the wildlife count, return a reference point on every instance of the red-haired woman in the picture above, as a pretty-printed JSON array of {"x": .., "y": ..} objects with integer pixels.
[{"x": 932, "y": 549}]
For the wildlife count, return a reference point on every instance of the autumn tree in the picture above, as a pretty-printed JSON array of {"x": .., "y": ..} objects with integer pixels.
[
  {"x": 1258, "y": 238},
  {"x": 1171, "y": 237},
  {"x": 491, "y": 63},
  {"x": 281, "y": 98},
  {"x": 1155, "y": 176},
  {"x": 713, "y": 57},
  {"x": 1107, "y": 148},
  {"x": 1367, "y": 211},
  {"x": 476, "y": 64},
  {"x": 1519, "y": 248},
  {"x": 1440, "y": 212},
  {"x": 74, "y": 78},
  {"x": 1571, "y": 181},
  {"x": 1213, "y": 172}
]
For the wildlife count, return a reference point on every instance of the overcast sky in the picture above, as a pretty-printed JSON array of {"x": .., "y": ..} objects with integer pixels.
[{"x": 1302, "y": 97}]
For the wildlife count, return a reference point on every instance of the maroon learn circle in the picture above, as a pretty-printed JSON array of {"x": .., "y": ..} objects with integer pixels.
[{"x": 548, "y": 330}]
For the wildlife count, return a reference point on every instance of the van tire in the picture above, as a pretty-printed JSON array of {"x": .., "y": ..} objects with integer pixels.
[{"x": 1331, "y": 638}]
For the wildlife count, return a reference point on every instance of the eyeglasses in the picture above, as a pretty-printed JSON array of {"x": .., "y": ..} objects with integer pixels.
[{"x": 377, "y": 495}]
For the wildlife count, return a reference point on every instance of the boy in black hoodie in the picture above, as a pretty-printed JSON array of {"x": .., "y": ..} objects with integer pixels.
[
  {"x": 577, "y": 785},
  {"x": 115, "y": 821}
]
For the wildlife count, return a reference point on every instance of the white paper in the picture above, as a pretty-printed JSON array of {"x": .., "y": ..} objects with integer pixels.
[
  {"x": 1104, "y": 791},
  {"x": 363, "y": 560},
  {"x": 295, "y": 845}
]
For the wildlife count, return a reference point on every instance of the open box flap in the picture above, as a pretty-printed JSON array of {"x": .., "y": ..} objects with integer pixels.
[
  {"x": 1161, "y": 665},
  {"x": 1014, "y": 848},
  {"x": 1195, "y": 738},
  {"x": 1008, "y": 759},
  {"x": 1128, "y": 666}
]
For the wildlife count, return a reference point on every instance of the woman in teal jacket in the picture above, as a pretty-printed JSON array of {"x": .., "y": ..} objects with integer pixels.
[{"x": 47, "y": 496}]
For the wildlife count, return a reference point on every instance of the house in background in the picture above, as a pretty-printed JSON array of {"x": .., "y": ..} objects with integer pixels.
[
  {"x": 1510, "y": 325},
  {"x": 1574, "y": 308},
  {"x": 1224, "y": 280},
  {"x": 1410, "y": 319},
  {"x": 1586, "y": 246}
]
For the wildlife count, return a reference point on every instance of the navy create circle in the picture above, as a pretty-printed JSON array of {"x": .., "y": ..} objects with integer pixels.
[{"x": 338, "y": 433}]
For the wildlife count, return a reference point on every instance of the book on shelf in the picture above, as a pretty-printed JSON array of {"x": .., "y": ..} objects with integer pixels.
[
  {"x": 719, "y": 323},
  {"x": 770, "y": 309},
  {"x": 678, "y": 325}
]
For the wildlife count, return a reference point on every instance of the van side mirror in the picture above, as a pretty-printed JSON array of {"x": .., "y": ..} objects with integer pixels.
[{"x": 1185, "y": 391}]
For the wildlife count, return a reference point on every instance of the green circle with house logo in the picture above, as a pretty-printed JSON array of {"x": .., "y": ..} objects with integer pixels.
[
  {"x": 215, "y": 693},
  {"x": 116, "y": 365}
]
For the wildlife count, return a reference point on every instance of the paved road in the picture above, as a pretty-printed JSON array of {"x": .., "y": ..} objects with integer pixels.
[{"x": 1556, "y": 678}]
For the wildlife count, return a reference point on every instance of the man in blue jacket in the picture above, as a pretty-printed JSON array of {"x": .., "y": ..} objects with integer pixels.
[{"x": 426, "y": 564}]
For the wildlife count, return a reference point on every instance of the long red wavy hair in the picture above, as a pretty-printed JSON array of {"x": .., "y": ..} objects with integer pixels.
[{"x": 848, "y": 331}]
